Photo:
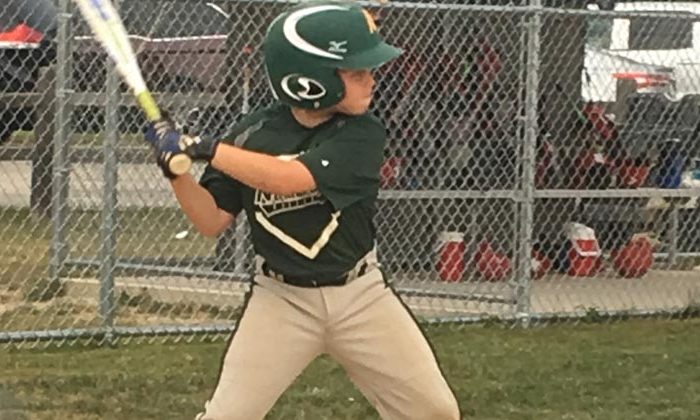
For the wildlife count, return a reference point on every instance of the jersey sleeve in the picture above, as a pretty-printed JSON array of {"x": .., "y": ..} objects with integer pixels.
[
  {"x": 346, "y": 167},
  {"x": 225, "y": 190}
]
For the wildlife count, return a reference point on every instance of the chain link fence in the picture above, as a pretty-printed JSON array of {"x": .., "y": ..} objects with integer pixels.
[{"x": 542, "y": 164}]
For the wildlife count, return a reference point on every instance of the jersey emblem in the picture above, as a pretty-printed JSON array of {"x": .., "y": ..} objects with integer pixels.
[
  {"x": 272, "y": 204},
  {"x": 324, "y": 162}
]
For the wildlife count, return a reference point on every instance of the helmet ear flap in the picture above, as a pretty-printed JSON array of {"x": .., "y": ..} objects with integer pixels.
[{"x": 336, "y": 87}]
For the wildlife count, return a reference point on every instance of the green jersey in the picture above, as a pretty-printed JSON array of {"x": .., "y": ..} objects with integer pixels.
[{"x": 320, "y": 234}]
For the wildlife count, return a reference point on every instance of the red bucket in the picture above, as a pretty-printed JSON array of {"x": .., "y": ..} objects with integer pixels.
[
  {"x": 451, "y": 264},
  {"x": 585, "y": 254}
]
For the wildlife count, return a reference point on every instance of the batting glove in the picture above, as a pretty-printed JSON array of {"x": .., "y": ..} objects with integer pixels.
[
  {"x": 168, "y": 141},
  {"x": 198, "y": 147},
  {"x": 164, "y": 145}
]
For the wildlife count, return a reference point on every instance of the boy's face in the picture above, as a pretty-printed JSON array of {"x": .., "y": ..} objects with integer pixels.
[{"x": 359, "y": 86}]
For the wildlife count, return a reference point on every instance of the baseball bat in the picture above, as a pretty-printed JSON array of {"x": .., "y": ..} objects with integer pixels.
[{"x": 107, "y": 26}]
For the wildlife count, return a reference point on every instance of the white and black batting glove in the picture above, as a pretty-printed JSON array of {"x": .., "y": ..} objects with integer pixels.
[
  {"x": 168, "y": 141},
  {"x": 198, "y": 147}
]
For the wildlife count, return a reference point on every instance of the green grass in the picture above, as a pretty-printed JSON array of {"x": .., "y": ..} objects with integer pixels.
[
  {"x": 632, "y": 370},
  {"x": 25, "y": 247},
  {"x": 29, "y": 299}
]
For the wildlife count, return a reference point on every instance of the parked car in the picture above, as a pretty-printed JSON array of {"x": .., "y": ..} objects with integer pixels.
[
  {"x": 661, "y": 50},
  {"x": 26, "y": 33},
  {"x": 180, "y": 50}
]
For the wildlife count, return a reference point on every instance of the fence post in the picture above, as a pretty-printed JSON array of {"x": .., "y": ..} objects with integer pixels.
[
  {"x": 672, "y": 235},
  {"x": 61, "y": 162},
  {"x": 108, "y": 233},
  {"x": 228, "y": 257},
  {"x": 42, "y": 156},
  {"x": 533, "y": 27}
]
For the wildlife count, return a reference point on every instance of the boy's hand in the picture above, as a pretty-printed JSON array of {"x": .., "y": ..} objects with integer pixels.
[{"x": 169, "y": 142}]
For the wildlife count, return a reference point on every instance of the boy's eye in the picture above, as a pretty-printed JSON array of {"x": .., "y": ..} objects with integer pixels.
[{"x": 359, "y": 74}]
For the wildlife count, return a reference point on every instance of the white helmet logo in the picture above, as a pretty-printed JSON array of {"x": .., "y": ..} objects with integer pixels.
[
  {"x": 290, "y": 31},
  {"x": 311, "y": 89}
]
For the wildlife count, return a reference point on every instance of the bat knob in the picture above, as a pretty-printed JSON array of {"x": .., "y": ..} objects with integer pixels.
[{"x": 180, "y": 164}]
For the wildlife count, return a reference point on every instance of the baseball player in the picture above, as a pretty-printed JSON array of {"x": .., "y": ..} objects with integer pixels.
[{"x": 306, "y": 172}]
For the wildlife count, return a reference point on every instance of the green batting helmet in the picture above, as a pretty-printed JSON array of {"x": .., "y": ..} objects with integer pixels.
[{"x": 305, "y": 46}]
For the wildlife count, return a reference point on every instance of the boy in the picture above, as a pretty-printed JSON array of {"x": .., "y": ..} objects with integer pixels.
[{"x": 306, "y": 172}]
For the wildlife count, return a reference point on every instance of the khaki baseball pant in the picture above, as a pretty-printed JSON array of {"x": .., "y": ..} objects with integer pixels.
[{"x": 362, "y": 325}]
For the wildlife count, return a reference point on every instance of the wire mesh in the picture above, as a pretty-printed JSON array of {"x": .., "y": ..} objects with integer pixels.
[{"x": 542, "y": 163}]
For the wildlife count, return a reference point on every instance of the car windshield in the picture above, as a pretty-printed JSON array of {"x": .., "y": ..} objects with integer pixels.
[{"x": 170, "y": 18}]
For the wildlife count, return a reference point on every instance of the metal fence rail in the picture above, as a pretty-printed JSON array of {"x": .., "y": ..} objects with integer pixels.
[{"x": 516, "y": 130}]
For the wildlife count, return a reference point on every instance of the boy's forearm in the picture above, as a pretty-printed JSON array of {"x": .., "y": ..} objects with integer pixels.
[{"x": 199, "y": 206}]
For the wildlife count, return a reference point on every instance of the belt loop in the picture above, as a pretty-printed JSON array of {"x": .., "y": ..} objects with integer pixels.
[{"x": 363, "y": 265}]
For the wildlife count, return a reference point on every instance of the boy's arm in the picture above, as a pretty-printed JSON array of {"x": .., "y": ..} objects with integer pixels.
[
  {"x": 263, "y": 172},
  {"x": 200, "y": 207},
  {"x": 257, "y": 170}
]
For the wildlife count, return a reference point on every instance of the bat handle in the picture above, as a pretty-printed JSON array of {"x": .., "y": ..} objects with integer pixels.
[
  {"x": 180, "y": 164},
  {"x": 149, "y": 105}
]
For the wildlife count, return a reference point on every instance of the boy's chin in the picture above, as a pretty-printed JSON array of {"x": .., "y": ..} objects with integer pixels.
[{"x": 356, "y": 110}]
